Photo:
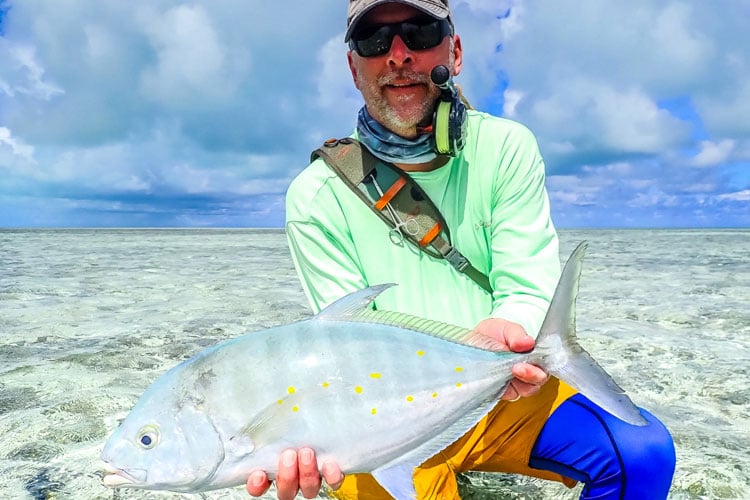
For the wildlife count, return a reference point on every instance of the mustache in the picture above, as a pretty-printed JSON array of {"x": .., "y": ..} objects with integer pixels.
[{"x": 402, "y": 76}]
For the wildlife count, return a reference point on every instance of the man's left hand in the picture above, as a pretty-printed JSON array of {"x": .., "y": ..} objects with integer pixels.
[{"x": 528, "y": 378}]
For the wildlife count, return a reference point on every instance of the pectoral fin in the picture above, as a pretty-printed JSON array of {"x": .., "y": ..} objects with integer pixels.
[
  {"x": 271, "y": 424},
  {"x": 397, "y": 480},
  {"x": 282, "y": 418}
]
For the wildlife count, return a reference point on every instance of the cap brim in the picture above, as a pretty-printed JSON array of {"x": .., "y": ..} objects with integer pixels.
[{"x": 436, "y": 9}]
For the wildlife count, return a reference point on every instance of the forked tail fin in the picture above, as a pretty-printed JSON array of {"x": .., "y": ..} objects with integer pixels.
[{"x": 562, "y": 356}]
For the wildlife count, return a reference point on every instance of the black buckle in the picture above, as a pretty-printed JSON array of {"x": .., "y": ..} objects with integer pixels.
[{"x": 457, "y": 260}]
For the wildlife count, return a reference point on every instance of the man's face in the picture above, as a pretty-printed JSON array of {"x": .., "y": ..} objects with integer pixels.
[{"x": 396, "y": 86}]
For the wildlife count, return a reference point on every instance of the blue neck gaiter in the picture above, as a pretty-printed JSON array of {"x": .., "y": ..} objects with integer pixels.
[{"x": 391, "y": 147}]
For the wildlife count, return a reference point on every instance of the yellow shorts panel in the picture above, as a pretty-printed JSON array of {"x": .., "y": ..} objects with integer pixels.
[{"x": 500, "y": 442}]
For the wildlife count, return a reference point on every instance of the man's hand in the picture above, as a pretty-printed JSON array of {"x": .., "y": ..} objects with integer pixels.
[
  {"x": 528, "y": 378},
  {"x": 298, "y": 471}
]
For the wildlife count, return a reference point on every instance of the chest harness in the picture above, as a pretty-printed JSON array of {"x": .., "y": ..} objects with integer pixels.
[{"x": 403, "y": 206}]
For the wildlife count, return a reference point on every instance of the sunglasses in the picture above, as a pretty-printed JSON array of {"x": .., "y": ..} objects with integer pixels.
[{"x": 417, "y": 34}]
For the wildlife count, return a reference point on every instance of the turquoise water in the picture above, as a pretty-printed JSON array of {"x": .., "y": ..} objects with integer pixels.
[{"x": 88, "y": 318}]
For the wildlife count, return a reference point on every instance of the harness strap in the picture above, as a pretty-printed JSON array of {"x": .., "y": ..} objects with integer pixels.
[{"x": 410, "y": 211}]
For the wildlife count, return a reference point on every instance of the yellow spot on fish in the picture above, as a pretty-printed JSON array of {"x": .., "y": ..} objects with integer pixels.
[
  {"x": 325, "y": 384},
  {"x": 374, "y": 375},
  {"x": 358, "y": 390},
  {"x": 280, "y": 401},
  {"x": 458, "y": 384},
  {"x": 291, "y": 390},
  {"x": 295, "y": 408},
  {"x": 410, "y": 398},
  {"x": 459, "y": 369},
  {"x": 420, "y": 353},
  {"x": 434, "y": 394},
  {"x": 374, "y": 411}
]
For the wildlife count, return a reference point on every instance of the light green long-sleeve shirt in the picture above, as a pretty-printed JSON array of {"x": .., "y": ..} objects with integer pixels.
[{"x": 493, "y": 199}]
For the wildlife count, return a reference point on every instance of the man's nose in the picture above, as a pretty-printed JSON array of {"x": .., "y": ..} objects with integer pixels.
[{"x": 400, "y": 54}]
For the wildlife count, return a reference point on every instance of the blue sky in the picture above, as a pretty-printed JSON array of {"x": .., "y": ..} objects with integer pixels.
[{"x": 168, "y": 113}]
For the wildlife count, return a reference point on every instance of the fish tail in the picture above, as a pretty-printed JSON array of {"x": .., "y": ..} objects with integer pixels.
[{"x": 561, "y": 355}]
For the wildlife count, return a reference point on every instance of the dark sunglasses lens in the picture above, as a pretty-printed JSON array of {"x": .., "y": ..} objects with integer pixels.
[
  {"x": 421, "y": 37},
  {"x": 374, "y": 42}
]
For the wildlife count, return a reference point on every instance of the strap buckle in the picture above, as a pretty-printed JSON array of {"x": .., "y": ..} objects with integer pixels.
[{"x": 457, "y": 260}]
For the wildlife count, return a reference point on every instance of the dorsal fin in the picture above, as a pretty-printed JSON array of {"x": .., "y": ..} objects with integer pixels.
[
  {"x": 349, "y": 305},
  {"x": 353, "y": 307}
]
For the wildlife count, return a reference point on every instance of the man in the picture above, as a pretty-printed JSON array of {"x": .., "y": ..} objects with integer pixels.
[{"x": 492, "y": 196}]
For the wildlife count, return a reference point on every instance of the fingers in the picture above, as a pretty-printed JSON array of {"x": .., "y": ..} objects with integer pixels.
[
  {"x": 287, "y": 479},
  {"x": 309, "y": 477},
  {"x": 257, "y": 483},
  {"x": 333, "y": 475},
  {"x": 511, "y": 394},
  {"x": 528, "y": 380},
  {"x": 517, "y": 338},
  {"x": 298, "y": 472},
  {"x": 509, "y": 336},
  {"x": 530, "y": 374}
]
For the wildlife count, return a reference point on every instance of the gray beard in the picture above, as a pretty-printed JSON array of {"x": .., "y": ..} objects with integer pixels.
[{"x": 405, "y": 126}]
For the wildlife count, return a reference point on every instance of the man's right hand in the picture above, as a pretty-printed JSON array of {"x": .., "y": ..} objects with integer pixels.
[{"x": 298, "y": 471}]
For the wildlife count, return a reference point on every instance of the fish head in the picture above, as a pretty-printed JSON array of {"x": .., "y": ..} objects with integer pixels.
[{"x": 163, "y": 444}]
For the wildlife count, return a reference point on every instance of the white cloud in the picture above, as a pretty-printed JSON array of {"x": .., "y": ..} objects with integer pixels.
[
  {"x": 678, "y": 43},
  {"x": 190, "y": 59},
  {"x": 589, "y": 188},
  {"x": 511, "y": 100},
  {"x": 22, "y": 73},
  {"x": 660, "y": 45},
  {"x": 743, "y": 195},
  {"x": 594, "y": 74},
  {"x": 653, "y": 198},
  {"x": 700, "y": 188},
  {"x": 599, "y": 116},
  {"x": 725, "y": 111},
  {"x": 713, "y": 153},
  {"x": 572, "y": 190},
  {"x": 16, "y": 147}
]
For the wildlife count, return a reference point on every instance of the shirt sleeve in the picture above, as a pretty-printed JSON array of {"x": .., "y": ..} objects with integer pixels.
[
  {"x": 321, "y": 248},
  {"x": 524, "y": 244}
]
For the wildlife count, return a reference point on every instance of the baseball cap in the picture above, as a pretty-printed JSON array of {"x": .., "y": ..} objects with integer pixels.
[{"x": 438, "y": 9}]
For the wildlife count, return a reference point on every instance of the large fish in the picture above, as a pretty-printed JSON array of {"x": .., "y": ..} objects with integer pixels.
[{"x": 375, "y": 391}]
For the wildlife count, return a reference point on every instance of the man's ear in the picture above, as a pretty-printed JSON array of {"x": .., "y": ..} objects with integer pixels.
[
  {"x": 457, "y": 55},
  {"x": 352, "y": 68}
]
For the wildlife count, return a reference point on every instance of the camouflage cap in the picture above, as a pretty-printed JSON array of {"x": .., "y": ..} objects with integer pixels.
[{"x": 438, "y": 9}]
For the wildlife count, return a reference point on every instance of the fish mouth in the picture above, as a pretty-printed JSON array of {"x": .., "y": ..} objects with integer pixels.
[{"x": 119, "y": 478}]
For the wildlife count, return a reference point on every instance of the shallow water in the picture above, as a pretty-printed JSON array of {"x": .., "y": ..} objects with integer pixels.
[{"x": 88, "y": 318}]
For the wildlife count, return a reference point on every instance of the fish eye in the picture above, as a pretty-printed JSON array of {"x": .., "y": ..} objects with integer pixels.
[{"x": 148, "y": 437}]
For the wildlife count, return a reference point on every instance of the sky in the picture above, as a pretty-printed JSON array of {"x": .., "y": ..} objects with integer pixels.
[{"x": 162, "y": 113}]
